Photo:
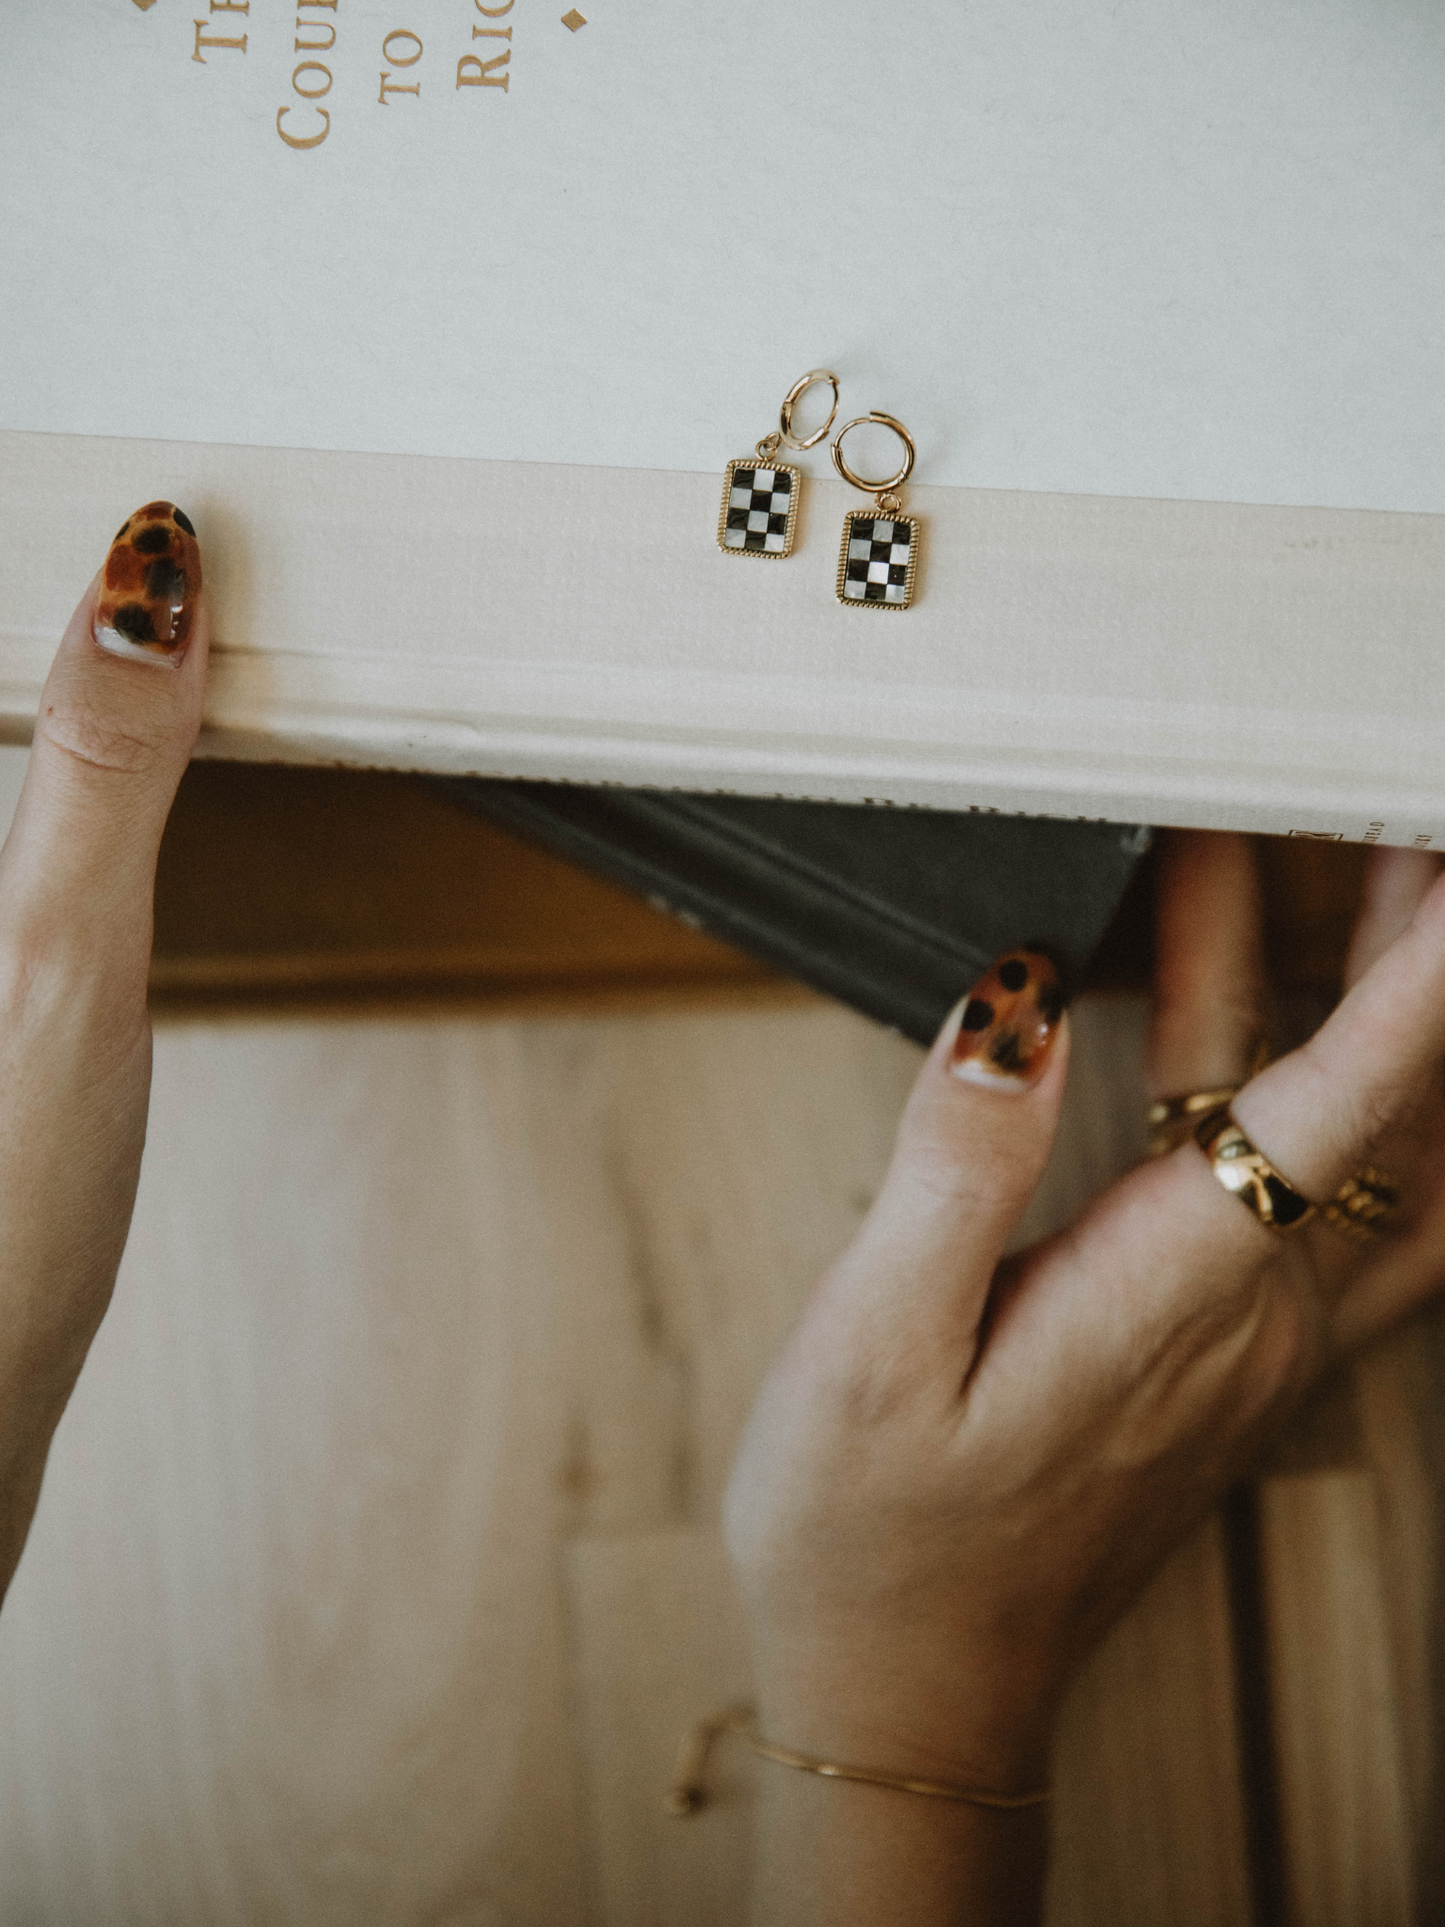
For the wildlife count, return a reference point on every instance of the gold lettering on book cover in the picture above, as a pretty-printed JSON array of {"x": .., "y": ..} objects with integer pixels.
[
  {"x": 213, "y": 40},
  {"x": 472, "y": 70},
  {"x": 297, "y": 140},
  {"x": 314, "y": 29}
]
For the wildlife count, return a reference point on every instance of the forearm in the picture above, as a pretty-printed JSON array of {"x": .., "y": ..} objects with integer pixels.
[
  {"x": 117, "y": 720},
  {"x": 831, "y": 1853},
  {"x": 48, "y": 1325},
  {"x": 75, "y": 1064}
]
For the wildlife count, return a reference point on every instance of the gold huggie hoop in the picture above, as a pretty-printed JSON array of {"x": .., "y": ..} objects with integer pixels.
[
  {"x": 759, "y": 513},
  {"x": 878, "y": 560},
  {"x": 894, "y": 481},
  {"x": 794, "y": 395}
]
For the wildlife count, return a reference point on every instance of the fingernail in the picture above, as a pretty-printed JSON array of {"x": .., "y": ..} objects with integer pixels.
[
  {"x": 1009, "y": 1023},
  {"x": 148, "y": 592}
]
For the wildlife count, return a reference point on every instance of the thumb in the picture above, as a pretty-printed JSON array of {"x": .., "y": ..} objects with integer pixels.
[
  {"x": 972, "y": 1145},
  {"x": 117, "y": 722}
]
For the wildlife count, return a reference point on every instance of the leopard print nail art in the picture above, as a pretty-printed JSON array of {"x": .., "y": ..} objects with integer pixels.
[
  {"x": 149, "y": 589},
  {"x": 1009, "y": 1023}
]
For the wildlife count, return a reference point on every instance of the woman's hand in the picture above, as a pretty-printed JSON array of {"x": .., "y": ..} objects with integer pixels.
[
  {"x": 965, "y": 1466},
  {"x": 117, "y": 723}
]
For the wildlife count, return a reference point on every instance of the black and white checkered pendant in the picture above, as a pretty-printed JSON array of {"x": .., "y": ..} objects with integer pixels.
[
  {"x": 759, "y": 507},
  {"x": 879, "y": 560}
]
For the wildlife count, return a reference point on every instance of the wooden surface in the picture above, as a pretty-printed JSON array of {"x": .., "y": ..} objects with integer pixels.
[
  {"x": 409, "y": 1309},
  {"x": 377, "y": 1568}
]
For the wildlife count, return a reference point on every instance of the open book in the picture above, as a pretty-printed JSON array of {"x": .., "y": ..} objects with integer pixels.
[{"x": 442, "y": 323}]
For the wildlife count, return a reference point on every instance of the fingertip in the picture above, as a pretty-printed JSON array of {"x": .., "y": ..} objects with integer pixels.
[
  {"x": 1006, "y": 1029},
  {"x": 117, "y": 722},
  {"x": 138, "y": 642},
  {"x": 971, "y": 1067},
  {"x": 991, "y": 1088},
  {"x": 149, "y": 587}
]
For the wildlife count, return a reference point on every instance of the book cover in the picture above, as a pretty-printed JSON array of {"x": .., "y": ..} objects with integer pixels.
[{"x": 895, "y": 912}]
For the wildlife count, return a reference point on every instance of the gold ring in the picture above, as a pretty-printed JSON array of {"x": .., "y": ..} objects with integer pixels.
[
  {"x": 1242, "y": 1168},
  {"x": 1364, "y": 1204},
  {"x": 893, "y": 481},
  {"x": 1172, "y": 1119},
  {"x": 794, "y": 394}
]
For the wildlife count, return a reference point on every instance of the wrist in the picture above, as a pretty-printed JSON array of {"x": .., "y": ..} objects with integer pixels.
[{"x": 835, "y": 1853}]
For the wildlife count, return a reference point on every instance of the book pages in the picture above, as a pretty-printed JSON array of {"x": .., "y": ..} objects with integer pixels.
[{"x": 1161, "y": 662}]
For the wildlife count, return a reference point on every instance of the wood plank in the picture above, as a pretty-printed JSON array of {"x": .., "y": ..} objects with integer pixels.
[
  {"x": 1148, "y": 1824},
  {"x": 1343, "y": 1776},
  {"x": 1398, "y": 1386},
  {"x": 1353, "y": 1549},
  {"x": 403, "y": 1308},
  {"x": 287, "y": 1644},
  {"x": 661, "y": 1643}
]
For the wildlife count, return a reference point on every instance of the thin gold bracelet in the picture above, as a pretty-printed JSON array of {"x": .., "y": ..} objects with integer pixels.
[{"x": 688, "y": 1792}]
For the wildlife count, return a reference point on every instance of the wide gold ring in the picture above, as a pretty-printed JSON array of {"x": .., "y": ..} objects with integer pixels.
[
  {"x": 794, "y": 395},
  {"x": 893, "y": 481},
  {"x": 1241, "y": 1167}
]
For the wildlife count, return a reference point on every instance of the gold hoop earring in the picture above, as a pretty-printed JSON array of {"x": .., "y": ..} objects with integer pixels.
[
  {"x": 878, "y": 561},
  {"x": 759, "y": 514}
]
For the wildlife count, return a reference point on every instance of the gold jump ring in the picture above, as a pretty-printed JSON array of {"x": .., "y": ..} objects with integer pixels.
[
  {"x": 892, "y": 481},
  {"x": 794, "y": 395}
]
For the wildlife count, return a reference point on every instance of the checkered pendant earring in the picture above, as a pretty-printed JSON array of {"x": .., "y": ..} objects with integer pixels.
[
  {"x": 760, "y": 494},
  {"x": 878, "y": 562}
]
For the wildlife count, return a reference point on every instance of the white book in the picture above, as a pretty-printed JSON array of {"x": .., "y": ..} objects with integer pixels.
[{"x": 442, "y": 320}]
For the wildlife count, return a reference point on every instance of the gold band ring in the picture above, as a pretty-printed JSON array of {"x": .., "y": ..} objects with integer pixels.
[
  {"x": 1241, "y": 1167},
  {"x": 1362, "y": 1208}
]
